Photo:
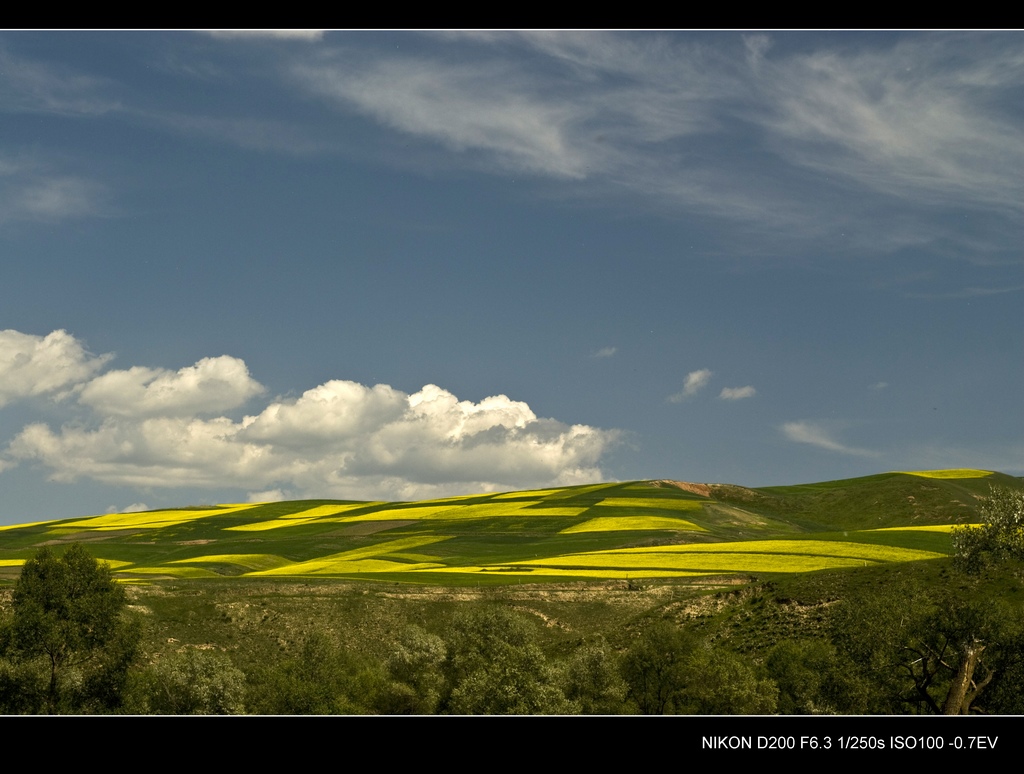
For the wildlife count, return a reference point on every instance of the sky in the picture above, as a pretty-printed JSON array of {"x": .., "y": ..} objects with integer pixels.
[{"x": 240, "y": 267}]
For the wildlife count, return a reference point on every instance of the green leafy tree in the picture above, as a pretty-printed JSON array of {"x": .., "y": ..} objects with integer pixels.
[
  {"x": 655, "y": 669},
  {"x": 495, "y": 667},
  {"x": 22, "y": 687},
  {"x": 998, "y": 539},
  {"x": 934, "y": 652},
  {"x": 592, "y": 680},
  {"x": 1003, "y": 696},
  {"x": 69, "y": 614},
  {"x": 417, "y": 680},
  {"x": 669, "y": 671},
  {"x": 319, "y": 678},
  {"x": 194, "y": 682},
  {"x": 814, "y": 680},
  {"x": 720, "y": 682}
]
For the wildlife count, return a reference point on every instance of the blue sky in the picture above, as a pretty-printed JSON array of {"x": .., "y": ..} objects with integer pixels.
[{"x": 401, "y": 265}]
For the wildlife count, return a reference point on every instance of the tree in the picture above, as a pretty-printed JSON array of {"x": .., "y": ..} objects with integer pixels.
[
  {"x": 417, "y": 680},
  {"x": 935, "y": 651},
  {"x": 670, "y": 671},
  {"x": 495, "y": 667},
  {"x": 194, "y": 682},
  {"x": 813, "y": 680},
  {"x": 720, "y": 682},
  {"x": 317, "y": 679},
  {"x": 592, "y": 680},
  {"x": 998, "y": 539},
  {"x": 69, "y": 613},
  {"x": 655, "y": 668}
]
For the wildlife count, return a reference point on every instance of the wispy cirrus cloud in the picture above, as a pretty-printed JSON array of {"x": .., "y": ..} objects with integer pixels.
[
  {"x": 34, "y": 191},
  {"x": 822, "y": 436},
  {"x": 973, "y": 292},
  {"x": 456, "y": 105},
  {"x": 867, "y": 141},
  {"x": 252, "y": 132},
  {"x": 31, "y": 86},
  {"x": 904, "y": 117},
  {"x": 309, "y": 35},
  {"x": 897, "y": 117}
]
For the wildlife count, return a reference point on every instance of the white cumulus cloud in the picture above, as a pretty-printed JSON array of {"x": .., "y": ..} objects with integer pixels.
[
  {"x": 268, "y": 496},
  {"x": 133, "y": 508},
  {"x": 340, "y": 439},
  {"x": 331, "y": 415},
  {"x": 694, "y": 382},
  {"x": 737, "y": 393},
  {"x": 37, "y": 365},
  {"x": 212, "y": 384}
]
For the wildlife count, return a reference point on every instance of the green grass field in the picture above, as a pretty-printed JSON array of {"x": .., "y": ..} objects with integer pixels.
[{"x": 604, "y": 531}]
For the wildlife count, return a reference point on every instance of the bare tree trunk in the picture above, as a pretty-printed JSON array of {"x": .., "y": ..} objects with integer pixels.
[{"x": 962, "y": 681}]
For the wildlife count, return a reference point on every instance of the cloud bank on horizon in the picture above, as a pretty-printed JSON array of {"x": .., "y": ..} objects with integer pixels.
[{"x": 151, "y": 427}]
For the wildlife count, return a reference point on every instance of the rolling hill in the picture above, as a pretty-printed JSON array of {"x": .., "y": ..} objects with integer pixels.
[{"x": 621, "y": 530}]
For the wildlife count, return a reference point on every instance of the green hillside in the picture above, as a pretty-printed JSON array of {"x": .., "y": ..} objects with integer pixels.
[{"x": 629, "y": 530}]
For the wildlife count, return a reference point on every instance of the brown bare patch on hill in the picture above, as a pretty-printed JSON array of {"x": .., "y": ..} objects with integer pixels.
[
  {"x": 715, "y": 491},
  {"x": 704, "y": 490},
  {"x": 734, "y": 492}
]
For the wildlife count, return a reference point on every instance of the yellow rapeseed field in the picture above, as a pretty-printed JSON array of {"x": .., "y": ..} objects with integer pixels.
[
  {"x": 638, "y": 523},
  {"x": 248, "y": 561},
  {"x": 360, "y": 560},
  {"x": 646, "y": 504},
  {"x": 321, "y": 512},
  {"x": 751, "y": 556},
  {"x": 951, "y": 473},
  {"x": 699, "y": 563},
  {"x": 149, "y": 519},
  {"x": 568, "y": 572}
]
